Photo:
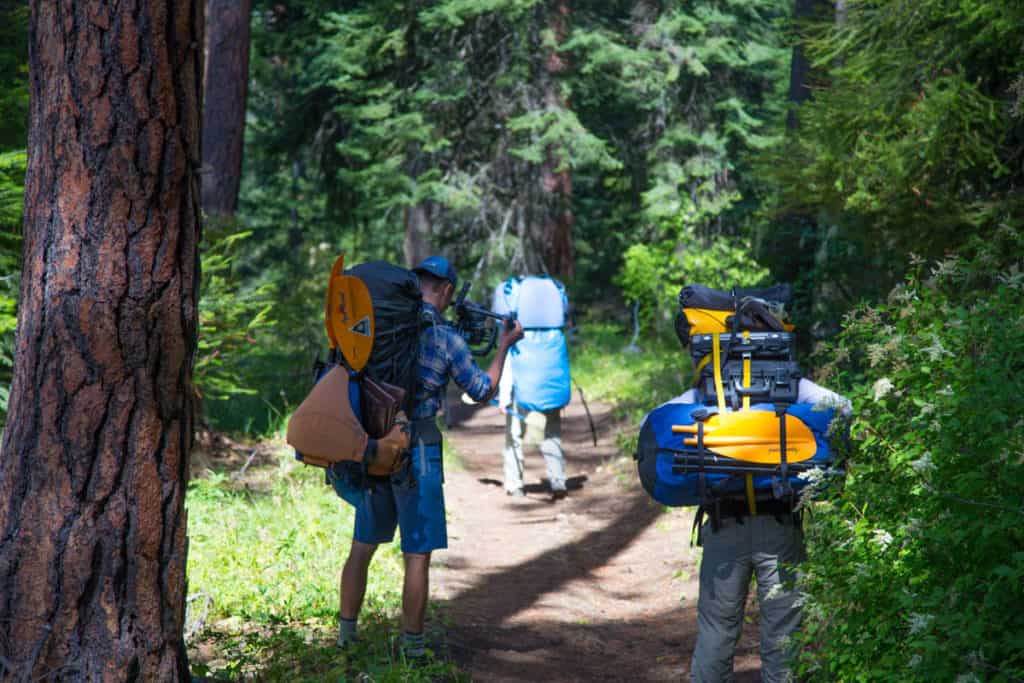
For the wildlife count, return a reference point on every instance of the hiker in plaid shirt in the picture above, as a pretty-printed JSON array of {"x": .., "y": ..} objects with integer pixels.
[{"x": 413, "y": 500}]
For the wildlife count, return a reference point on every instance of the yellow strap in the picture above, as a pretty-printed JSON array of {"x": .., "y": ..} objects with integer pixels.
[
  {"x": 716, "y": 358},
  {"x": 751, "y": 499}
]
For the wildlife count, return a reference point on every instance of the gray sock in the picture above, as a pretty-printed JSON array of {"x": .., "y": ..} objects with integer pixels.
[
  {"x": 349, "y": 632},
  {"x": 413, "y": 644}
]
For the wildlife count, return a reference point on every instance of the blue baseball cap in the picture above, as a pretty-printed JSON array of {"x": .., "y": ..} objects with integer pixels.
[{"x": 439, "y": 267}]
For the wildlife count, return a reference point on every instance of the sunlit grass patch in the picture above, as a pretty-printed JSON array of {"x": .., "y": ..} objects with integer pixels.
[
  {"x": 632, "y": 380},
  {"x": 265, "y": 556}
]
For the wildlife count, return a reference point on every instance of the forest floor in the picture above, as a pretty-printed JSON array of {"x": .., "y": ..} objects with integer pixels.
[{"x": 601, "y": 585}]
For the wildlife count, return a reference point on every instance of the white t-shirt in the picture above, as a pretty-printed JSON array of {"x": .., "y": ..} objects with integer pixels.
[{"x": 807, "y": 392}]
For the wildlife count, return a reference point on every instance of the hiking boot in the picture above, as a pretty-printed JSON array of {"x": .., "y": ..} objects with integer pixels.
[{"x": 344, "y": 643}]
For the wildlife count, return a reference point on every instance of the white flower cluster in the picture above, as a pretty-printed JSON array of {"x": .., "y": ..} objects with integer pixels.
[
  {"x": 969, "y": 677},
  {"x": 882, "y": 537},
  {"x": 945, "y": 268},
  {"x": 936, "y": 351},
  {"x": 882, "y": 388},
  {"x": 1014, "y": 278},
  {"x": 919, "y": 622},
  {"x": 923, "y": 464}
]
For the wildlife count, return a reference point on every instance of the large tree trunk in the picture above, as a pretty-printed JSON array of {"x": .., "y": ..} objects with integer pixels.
[
  {"x": 556, "y": 182},
  {"x": 416, "y": 245},
  {"x": 93, "y": 464},
  {"x": 226, "y": 87}
]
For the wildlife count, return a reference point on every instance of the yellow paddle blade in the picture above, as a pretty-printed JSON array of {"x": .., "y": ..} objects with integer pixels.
[
  {"x": 337, "y": 270},
  {"x": 349, "y": 317},
  {"x": 753, "y": 436}
]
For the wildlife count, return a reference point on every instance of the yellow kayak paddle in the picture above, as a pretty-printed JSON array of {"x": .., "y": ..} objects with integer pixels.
[
  {"x": 348, "y": 316},
  {"x": 753, "y": 436}
]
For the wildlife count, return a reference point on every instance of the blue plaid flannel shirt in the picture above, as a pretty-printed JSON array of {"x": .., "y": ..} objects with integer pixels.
[{"x": 444, "y": 354}]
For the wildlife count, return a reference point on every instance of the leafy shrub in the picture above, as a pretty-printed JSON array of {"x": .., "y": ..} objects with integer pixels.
[
  {"x": 229, "y": 317},
  {"x": 652, "y": 274},
  {"x": 917, "y": 571}
]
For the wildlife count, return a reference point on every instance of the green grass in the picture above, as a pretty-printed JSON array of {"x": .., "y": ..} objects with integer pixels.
[
  {"x": 264, "y": 560},
  {"x": 634, "y": 382}
]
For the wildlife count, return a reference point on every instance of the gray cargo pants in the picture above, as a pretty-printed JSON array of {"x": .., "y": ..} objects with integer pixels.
[
  {"x": 760, "y": 546},
  {"x": 548, "y": 423}
]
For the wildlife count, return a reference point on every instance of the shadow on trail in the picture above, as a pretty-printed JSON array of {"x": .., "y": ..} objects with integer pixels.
[
  {"x": 502, "y": 594},
  {"x": 612, "y": 650},
  {"x": 515, "y": 616}
]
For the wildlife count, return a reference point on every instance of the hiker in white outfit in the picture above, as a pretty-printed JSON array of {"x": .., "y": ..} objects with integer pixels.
[{"x": 535, "y": 383}]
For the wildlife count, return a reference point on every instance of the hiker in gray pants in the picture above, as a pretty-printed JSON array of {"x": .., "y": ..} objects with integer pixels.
[
  {"x": 547, "y": 423},
  {"x": 765, "y": 546}
]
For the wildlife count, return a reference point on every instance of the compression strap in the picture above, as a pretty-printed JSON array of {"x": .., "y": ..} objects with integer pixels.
[
  {"x": 751, "y": 499},
  {"x": 716, "y": 358}
]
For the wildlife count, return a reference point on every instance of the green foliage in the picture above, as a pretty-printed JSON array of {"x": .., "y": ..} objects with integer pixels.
[
  {"x": 230, "y": 320},
  {"x": 914, "y": 570},
  {"x": 265, "y": 554},
  {"x": 911, "y": 142},
  {"x": 653, "y": 274},
  {"x": 686, "y": 96},
  {"x": 12, "y": 181},
  {"x": 13, "y": 74}
]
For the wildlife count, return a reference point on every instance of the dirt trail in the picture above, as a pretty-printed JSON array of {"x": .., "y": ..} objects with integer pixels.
[{"x": 599, "y": 586}]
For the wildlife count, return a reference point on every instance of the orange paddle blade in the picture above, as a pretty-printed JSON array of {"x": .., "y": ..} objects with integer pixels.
[
  {"x": 349, "y": 316},
  {"x": 753, "y": 436},
  {"x": 336, "y": 271}
]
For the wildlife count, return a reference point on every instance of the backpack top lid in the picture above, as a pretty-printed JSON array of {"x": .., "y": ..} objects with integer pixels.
[
  {"x": 703, "y": 310},
  {"x": 537, "y": 300}
]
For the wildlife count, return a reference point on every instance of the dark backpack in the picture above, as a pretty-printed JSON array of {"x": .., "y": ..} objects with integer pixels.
[{"x": 397, "y": 306}]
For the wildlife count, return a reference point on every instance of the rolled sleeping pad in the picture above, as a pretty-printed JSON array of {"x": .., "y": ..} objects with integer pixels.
[{"x": 682, "y": 489}]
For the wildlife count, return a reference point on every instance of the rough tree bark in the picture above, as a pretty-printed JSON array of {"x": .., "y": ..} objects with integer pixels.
[
  {"x": 556, "y": 183},
  {"x": 225, "y": 91},
  {"x": 93, "y": 464}
]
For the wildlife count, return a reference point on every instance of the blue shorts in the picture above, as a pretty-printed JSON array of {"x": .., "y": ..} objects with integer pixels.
[{"x": 413, "y": 501}]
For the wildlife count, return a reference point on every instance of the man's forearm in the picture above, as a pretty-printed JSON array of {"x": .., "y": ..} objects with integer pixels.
[{"x": 494, "y": 370}]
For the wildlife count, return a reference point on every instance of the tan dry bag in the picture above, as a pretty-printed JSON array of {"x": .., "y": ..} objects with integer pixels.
[{"x": 324, "y": 428}]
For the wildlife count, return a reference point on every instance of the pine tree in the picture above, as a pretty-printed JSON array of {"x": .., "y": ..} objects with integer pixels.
[{"x": 94, "y": 458}]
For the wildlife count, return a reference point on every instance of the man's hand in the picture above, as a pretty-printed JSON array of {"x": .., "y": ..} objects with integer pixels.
[
  {"x": 391, "y": 448},
  {"x": 511, "y": 332}
]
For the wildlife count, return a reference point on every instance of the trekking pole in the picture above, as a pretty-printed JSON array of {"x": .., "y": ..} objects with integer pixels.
[{"x": 590, "y": 418}]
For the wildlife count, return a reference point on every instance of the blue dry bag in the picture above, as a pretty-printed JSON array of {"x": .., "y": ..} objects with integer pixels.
[
  {"x": 540, "y": 360},
  {"x": 677, "y": 488}
]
